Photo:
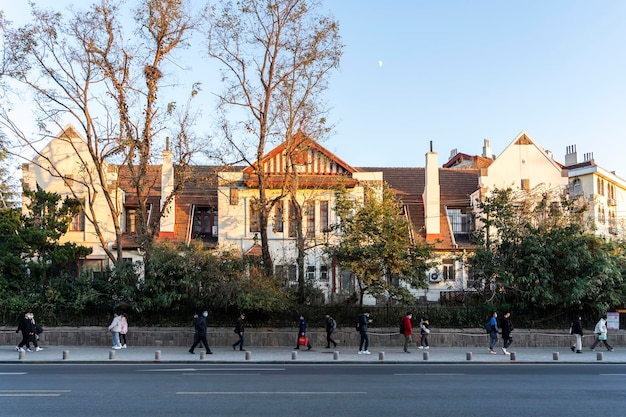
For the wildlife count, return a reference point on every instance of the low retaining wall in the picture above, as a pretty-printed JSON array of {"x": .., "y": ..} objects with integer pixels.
[{"x": 177, "y": 336}]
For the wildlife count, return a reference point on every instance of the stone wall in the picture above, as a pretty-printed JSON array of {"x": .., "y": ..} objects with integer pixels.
[{"x": 177, "y": 336}]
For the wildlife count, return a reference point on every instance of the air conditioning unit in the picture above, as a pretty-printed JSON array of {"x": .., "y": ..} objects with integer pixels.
[
  {"x": 613, "y": 230},
  {"x": 434, "y": 277},
  {"x": 214, "y": 230}
]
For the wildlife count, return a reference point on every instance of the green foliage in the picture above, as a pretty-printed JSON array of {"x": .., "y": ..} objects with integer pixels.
[
  {"x": 376, "y": 245},
  {"x": 537, "y": 253}
]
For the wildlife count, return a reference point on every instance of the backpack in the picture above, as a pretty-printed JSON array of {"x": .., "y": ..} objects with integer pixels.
[
  {"x": 358, "y": 326},
  {"x": 402, "y": 325},
  {"x": 333, "y": 324},
  {"x": 488, "y": 326}
]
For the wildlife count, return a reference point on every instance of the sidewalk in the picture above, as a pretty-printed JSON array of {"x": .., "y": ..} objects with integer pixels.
[{"x": 388, "y": 354}]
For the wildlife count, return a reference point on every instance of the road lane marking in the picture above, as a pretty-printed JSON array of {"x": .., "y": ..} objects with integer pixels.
[
  {"x": 12, "y": 373},
  {"x": 271, "y": 393},
  {"x": 213, "y": 374},
  {"x": 213, "y": 370},
  {"x": 33, "y": 393},
  {"x": 431, "y": 374}
]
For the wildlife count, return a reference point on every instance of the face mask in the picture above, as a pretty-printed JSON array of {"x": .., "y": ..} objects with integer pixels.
[{"x": 205, "y": 314}]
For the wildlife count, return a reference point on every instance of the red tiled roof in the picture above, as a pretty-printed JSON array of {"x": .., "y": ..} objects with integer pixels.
[{"x": 456, "y": 186}]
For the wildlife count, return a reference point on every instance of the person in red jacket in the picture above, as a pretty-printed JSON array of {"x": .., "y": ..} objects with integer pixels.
[{"x": 407, "y": 330}]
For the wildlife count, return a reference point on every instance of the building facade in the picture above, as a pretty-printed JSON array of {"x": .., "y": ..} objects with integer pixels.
[{"x": 217, "y": 203}]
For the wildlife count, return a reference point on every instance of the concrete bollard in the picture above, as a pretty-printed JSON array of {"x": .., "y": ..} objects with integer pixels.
[
  {"x": 111, "y": 355},
  {"x": 555, "y": 356},
  {"x": 512, "y": 356},
  {"x": 202, "y": 356},
  {"x": 248, "y": 355},
  {"x": 66, "y": 355},
  {"x": 21, "y": 355},
  {"x": 599, "y": 356},
  {"x": 381, "y": 356},
  {"x": 294, "y": 355},
  {"x": 336, "y": 355},
  {"x": 425, "y": 356},
  {"x": 157, "y": 355},
  {"x": 468, "y": 356}
]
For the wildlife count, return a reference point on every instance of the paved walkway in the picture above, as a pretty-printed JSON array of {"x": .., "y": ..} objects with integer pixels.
[{"x": 388, "y": 354}]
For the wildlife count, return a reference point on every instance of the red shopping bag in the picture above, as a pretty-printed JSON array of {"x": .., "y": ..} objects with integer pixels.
[{"x": 303, "y": 341}]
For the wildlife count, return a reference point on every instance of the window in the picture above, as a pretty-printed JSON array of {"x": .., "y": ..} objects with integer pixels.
[
  {"x": 310, "y": 219},
  {"x": 600, "y": 184},
  {"x": 324, "y": 273},
  {"x": 286, "y": 273},
  {"x": 234, "y": 196},
  {"x": 255, "y": 221},
  {"x": 204, "y": 222},
  {"x": 131, "y": 220},
  {"x": 577, "y": 187},
  {"x": 461, "y": 222},
  {"x": 78, "y": 222},
  {"x": 279, "y": 223},
  {"x": 449, "y": 272},
  {"x": 310, "y": 272},
  {"x": 324, "y": 223},
  {"x": 293, "y": 219}
]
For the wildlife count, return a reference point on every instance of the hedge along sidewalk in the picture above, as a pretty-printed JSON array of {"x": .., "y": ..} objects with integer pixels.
[{"x": 285, "y": 337}]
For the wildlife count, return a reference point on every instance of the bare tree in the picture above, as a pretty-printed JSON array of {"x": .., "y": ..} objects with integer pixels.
[
  {"x": 94, "y": 71},
  {"x": 276, "y": 57}
]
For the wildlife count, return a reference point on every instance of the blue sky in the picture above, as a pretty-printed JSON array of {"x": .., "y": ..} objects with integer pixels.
[{"x": 458, "y": 72}]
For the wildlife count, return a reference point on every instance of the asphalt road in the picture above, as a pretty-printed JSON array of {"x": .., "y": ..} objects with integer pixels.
[{"x": 466, "y": 390}]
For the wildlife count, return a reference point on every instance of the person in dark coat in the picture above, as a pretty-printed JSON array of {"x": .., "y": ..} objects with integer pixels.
[
  {"x": 506, "y": 325},
  {"x": 364, "y": 321},
  {"x": 239, "y": 329},
  {"x": 25, "y": 325},
  {"x": 331, "y": 325},
  {"x": 577, "y": 330},
  {"x": 200, "y": 335},
  {"x": 302, "y": 333}
]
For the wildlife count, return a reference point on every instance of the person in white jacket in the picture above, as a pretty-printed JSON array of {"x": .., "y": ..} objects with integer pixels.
[
  {"x": 601, "y": 335},
  {"x": 115, "y": 327}
]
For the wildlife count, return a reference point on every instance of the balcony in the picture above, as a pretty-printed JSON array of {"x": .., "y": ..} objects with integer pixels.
[{"x": 611, "y": 201}]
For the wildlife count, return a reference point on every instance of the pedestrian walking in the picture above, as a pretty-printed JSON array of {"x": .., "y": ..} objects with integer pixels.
[
  {"x": 601, "y": 335},
  {"x": 493, "y": 332},
  {"x": 200, "y": 326},
  {"x": 239, "y": 329},
  {"x": 507, "y": 327},
  {"x": 362, "y": 323},
  {"x": 302, "y": 334},
  {"x": 331, "y": 325},
  {"x": 25, "y": 326},
  {"x": 115, "y": 327},
  {"x": 424, "y": 333},
  {"x": 576, "y": 329},
  {"x": 123, "y": 330},
  {"x": 407, "y": 330},
  {"x": 37, "y": 330}
]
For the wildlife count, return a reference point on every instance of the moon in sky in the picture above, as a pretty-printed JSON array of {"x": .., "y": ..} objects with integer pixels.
[{"x": 380, "y": 63}]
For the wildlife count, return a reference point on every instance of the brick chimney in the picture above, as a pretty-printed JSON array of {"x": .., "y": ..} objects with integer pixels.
[
  {"x": 431, "y": 196},
  {"x": 571, "y": 156}
]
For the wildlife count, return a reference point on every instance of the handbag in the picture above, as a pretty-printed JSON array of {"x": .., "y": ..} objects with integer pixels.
[
  {"x": 303, "y": 341},
  {"x": 602, "y": 336}
]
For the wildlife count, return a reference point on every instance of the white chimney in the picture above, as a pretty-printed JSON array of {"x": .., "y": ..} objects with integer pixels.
[
  {"x": 487, "y": 152},
  {"x": 167, "y": 187},
  {"x": 431, "y": 195}
]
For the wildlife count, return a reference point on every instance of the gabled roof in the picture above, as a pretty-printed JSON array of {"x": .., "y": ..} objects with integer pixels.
[{"x": 316, "y": 166}]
